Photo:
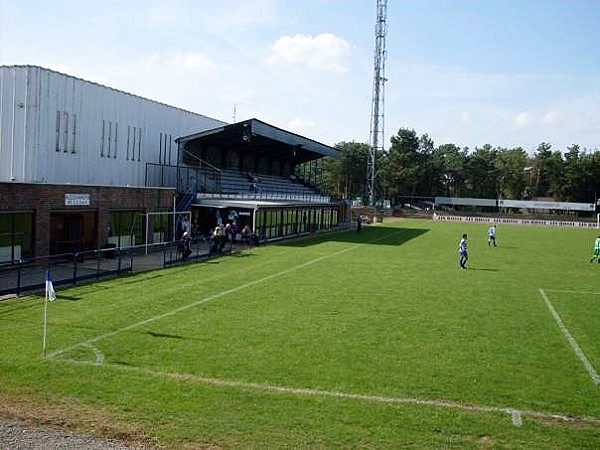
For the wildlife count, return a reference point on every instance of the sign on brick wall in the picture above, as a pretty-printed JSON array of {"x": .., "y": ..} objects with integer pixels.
[{"x": 77, "y": 199}]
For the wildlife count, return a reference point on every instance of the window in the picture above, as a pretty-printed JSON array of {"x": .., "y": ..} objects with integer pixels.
[
  {"x": 16, "y": 236},
  {"x": 162, "y": 148},
  {"x": 128, "y": 133},
  {"x": 57, "y": 148},
  {"x": 116, "y": 141},
  {"x": 139, "y": 144},
  {"x": 133, "y": 145},
  {"x": 66, "y": 132},
  {"x": 74, "y": 133},
  {"x": 160, "y": 142},
  {"x": 126, "y": 228},
  {"x": 165, "y": 148},
  {"x": 102, "y": 139},
  {"x": 109, "y": 137},
  {"x": 110, "y": 132}
]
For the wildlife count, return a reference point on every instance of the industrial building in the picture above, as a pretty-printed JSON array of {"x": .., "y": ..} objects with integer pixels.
[{"x": 83, "y": 166}]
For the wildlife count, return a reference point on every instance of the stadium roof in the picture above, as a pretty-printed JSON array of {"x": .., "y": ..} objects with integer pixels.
[{"x": 259, "y": 137}]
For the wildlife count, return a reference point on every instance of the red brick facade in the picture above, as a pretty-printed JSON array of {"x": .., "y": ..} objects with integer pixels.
[{"x": 44, "y": 199}]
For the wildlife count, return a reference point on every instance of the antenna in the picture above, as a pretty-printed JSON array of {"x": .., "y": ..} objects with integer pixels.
[
  {"x": 235, "y": 110},
  {"x": 377, "y": 104}
]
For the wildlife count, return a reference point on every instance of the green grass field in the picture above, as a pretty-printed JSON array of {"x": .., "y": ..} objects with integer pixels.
[{"x": 370, "y": 340}]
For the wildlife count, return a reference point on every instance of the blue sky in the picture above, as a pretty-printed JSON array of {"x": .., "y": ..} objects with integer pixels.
[{"x": 470, "y": 72}]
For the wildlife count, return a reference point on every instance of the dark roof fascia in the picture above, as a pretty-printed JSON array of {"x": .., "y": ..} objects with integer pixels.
[
  {"x": 191, "y": 137},
  {"x": 263, "y": 129}
]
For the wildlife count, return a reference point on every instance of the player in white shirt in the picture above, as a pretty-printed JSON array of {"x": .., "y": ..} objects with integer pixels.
[
  {"x": 492, "y": 235},
  {"x": 462, "y": 252}
]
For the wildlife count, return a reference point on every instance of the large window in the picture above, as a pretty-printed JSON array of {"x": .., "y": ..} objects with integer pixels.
[
  {"x": 126, "y": 228},
  {"x": 280, "y": 222},
  {"x": 16, "y": 230},
  {"x": 109, "y": 139},
  {"x": 66, "y": 132}
]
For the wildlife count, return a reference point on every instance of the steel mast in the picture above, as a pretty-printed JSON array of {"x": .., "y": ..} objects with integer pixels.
[{"x": 377, "y": 103}]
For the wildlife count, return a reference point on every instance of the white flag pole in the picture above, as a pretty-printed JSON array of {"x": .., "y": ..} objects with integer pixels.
[{"x": 45, "y": 322}]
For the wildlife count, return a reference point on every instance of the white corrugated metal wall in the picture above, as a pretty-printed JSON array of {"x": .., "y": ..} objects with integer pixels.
[{"x": 55, "y": 128}]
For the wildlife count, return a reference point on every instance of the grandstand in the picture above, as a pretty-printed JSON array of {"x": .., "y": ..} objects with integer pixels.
[
  {"x": 254, "y": 174},
  {"x": 85, "y": 168}
]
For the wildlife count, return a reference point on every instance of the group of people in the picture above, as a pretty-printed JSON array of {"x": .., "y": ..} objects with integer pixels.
[
  {"x": 222, "y": 234},
  {"x": 463, "y": 254}
]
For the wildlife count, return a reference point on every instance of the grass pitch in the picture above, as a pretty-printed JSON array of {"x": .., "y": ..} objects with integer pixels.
[{"x": 350, "y": 340}]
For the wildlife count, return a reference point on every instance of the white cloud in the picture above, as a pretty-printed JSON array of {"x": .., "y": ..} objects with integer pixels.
[
  {"x": 193, "y": 62},
  {"x": 524, "y": 119},
  {"x": 324, "y": 52},
  {"x": 551, "y": 118},
  {"x": 465, "y": 117},
  {"x": 300, "y": 125}
]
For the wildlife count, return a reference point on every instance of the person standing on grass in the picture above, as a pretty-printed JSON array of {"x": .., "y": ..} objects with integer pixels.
[
  {"x": 492, "y": 235},
  {"x": 596, "y": 253},
  {"x": 186, "y": 245},
  {"x": 462, "y": 252},
  {"x": 359, "y": 223}
]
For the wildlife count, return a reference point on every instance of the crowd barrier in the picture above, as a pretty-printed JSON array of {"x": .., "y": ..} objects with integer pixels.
[{"x": 512, "y": 221}]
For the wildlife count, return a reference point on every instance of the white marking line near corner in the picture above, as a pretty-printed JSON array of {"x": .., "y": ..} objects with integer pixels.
[
  {"x": 573, "y": 292},
  {"x": 97, "y": 352},
  {"x": 214, "y": 296},
  {"x": 516, "y": 414},
  {"x": 586, "y": 362},
  {"x": 517, "y": 420}
]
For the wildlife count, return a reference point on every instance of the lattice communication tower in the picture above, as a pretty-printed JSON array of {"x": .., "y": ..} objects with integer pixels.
[{"x": 377, "y": 103}]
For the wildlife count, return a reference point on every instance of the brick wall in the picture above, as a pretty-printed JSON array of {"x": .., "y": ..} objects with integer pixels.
[{"x": 44, "y": 199}]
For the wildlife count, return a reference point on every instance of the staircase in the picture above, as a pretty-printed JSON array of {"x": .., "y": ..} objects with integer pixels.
[{"x": 184, "y": 201}]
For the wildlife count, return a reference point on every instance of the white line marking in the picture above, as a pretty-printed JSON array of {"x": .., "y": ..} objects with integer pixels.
[
  {"x": 97, "y": 352},
  {"x": 516, "y": 414},
  {"x": 588, "y": 366},
  {"x": 517, "y": 420},
  {"x": 573, "y": 292},
  {"x": 213, "y": 297}
]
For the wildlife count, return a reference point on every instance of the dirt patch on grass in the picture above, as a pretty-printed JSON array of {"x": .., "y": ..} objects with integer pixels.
[{"x": 72, "y": 416}]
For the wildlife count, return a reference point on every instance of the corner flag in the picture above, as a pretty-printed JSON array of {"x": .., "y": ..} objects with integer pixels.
[{"x": 50, "y": 293}]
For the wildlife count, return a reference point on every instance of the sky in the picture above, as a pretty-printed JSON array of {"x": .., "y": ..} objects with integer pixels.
[{"x": 509, "y": 73}]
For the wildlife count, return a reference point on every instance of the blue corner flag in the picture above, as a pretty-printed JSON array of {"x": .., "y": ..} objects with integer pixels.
[{"x": 50, "y": 293}]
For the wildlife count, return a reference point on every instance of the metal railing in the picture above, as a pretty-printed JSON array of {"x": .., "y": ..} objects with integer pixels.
[{"x": 74, "y": 268}]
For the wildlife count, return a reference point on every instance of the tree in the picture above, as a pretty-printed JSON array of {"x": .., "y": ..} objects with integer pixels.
[
  {"x": 481, "y": 177},
  {"x": 405, "y": 163},
  {"x": 345, "y": 177},
  {"x": 510, "y": 165},
  {"x": 449, "y": 163}
]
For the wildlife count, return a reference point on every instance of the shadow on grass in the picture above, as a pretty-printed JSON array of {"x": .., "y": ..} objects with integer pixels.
[
  {"x": 243, "y": 254},
  {"x": 379, "y": 235},
  {"x": 164, "y": 335},
  {"x": 9, "y": 308},
  {"x": 71, "y": 298}
]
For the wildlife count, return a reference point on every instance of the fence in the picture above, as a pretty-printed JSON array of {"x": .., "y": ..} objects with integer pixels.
[{"x": 73, "y": 268}]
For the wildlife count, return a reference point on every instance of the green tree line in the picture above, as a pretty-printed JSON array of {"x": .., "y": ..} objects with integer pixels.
[{"x": 414, "y": 166}]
